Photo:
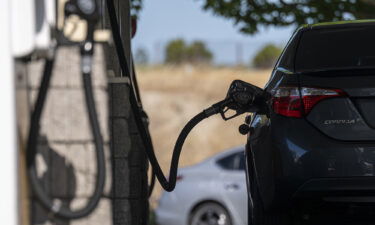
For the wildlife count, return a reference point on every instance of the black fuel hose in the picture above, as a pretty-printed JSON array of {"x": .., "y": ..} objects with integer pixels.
[
  {"x": 167, "y": 184},
  {"x": 54, "y": 206},
  {"x": 170, "y": 184},
  {"x": 32, "y": 140}
]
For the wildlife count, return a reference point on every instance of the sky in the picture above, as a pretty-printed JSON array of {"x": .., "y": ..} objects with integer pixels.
[{"x": 163, "y": 20}]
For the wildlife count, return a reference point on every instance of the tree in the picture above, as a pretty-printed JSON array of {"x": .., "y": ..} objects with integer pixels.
[
  {"x": 175, "y": 52},
  {"x": 178, "y": 52},
  {"x": 249, "y": 15},
  {"x": 136, "y": 6},
  {"x": 267, "y": 56},
  {"x": 198, "y": 53}
]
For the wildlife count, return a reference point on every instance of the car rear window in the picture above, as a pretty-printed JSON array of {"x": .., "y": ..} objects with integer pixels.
[
  {"x": 234, "y": 161},
  {"x": 228, "y": 162},
  {"x": 336, "y": 48}
]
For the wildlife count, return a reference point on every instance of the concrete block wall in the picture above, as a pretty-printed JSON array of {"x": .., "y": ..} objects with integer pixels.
[
  {"x": 66, "y": 159},
  {"x": 129, "y": 162}
]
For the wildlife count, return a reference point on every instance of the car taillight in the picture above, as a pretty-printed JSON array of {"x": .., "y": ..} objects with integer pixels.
[
  {"x": 179, "y": 178},
  {"x": 286, "y": 101}
]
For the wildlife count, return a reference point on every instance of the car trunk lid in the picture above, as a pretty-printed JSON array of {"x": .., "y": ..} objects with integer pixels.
[{"x": 349, "y": 117}]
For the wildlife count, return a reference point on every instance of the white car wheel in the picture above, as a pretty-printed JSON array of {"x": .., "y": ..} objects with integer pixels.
[{"x": 210, "y": 214}]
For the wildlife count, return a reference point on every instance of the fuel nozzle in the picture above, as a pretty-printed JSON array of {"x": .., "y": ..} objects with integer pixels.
[
  {"x": 82, "y": 17},
  {"x": 242, "y": 97}
]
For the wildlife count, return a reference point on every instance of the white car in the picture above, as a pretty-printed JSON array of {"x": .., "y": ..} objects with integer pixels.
[{"x": 210, "y": 193}]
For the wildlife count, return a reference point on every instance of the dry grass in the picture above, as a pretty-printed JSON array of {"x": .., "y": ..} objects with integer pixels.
[{"x": 173, "y": 95}]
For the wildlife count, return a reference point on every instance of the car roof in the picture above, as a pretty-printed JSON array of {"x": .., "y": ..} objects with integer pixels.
[{"x": 338, "y": 24}]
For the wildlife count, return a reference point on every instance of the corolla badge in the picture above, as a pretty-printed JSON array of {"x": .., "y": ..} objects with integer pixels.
[{"x": 333, "y": 122}]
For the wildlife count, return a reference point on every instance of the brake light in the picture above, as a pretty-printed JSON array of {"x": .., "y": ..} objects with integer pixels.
[
  {"x": 287, "y": 101},
  {"x": 179, "y": 178}
]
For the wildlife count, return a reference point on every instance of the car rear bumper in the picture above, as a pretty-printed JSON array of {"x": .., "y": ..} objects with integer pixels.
[
  {"x": 326, "y": 195},
  {"x": 337, "y": 198},
  {"x": 295, "y": 160},
  {"x": 355, "y": 189},
  {"x": 307, "y": 153}
]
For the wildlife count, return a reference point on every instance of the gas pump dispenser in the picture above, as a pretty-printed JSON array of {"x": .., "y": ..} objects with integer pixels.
[{"x": 241, "y": 98}]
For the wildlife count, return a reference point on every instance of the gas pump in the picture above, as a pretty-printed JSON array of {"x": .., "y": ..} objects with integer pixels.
[{"x": 241, "y": 96}]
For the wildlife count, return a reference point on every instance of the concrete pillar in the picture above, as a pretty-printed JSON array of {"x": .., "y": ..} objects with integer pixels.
[{"x": 129, "y": 162}]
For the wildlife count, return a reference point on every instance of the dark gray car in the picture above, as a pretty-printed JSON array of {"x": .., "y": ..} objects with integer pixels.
[{"x": 312, "y": 155}]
